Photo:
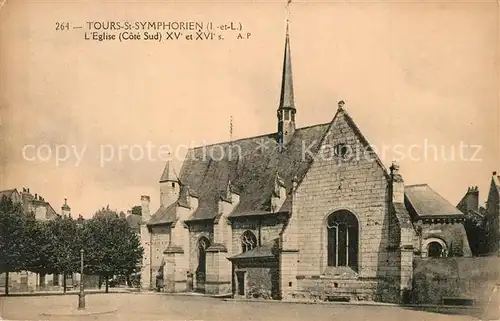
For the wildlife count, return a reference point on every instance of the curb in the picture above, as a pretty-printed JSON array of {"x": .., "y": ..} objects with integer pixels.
[
  {"x": 89, "y": 292},
  {"x": 317, "y": 302},
  {"x": 368, "y": 303},
  {"x": 77, "y": 313}
]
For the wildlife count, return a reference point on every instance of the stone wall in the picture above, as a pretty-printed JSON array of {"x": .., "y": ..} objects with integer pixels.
[
  {"x": 461, "y": 277},
  {"x": 357, "y": 183},
  {"x": 326, "y": 288},
  {"x": 265, "y": 229},
  {"x": 261, "y": 279},
  {"x": 453, "y": 235},
  {"x": 160, "y": 239}
]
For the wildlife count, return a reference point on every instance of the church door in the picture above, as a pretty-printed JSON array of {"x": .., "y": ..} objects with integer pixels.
[
  {"x": 240, "y": 275},
  {"x": 201, "y": 270}
]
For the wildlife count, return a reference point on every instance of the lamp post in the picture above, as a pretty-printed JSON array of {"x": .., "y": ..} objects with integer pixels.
[{"x": 81, "y": 295}]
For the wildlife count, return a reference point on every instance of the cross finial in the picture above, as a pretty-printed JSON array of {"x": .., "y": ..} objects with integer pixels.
[
  {"x": 231, "y": 128},
  {"x": 288, "y": 13},
  {"x": 341, "y": 104}
]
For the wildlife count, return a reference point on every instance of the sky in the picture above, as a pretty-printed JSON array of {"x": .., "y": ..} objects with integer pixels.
[{"x": 413, "y": 75}]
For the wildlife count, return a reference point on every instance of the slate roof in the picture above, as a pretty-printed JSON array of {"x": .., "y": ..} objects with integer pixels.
[
  {"x": 249, "y": 166},
  {"x": 51, "y": 213},
  {"x": 496, "y": 180},
  {"x": 168, "y": 173},
  {"x": 184, "y": 195},
  {"x": 164, "y": 215},
  {"x": 7, "y": 193},
  {"x": 251, "y": 172},
  {"x": 422, "y": 200},
  {"x": 264, "y": 251}
]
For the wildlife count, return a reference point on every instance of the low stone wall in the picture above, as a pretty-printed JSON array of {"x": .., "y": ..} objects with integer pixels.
[
  {"x": 454, "y": 277},
  {"x": 326, "y": 288}
]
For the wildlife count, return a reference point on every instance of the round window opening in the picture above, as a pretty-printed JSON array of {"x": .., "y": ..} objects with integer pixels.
[{"x": 341, "y": 150}]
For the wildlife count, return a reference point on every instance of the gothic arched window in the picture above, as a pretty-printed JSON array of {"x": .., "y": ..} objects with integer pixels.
[
  {"x": 343, "y": 234},
  {"x": 248, "y": 241}
]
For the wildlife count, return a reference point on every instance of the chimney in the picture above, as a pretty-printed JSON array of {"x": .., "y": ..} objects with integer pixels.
[
  {"x": 471, "y": 199},
  {"x": 397, "y": 184},
  {"x": 145, "y": 200},
  {"x": 494, "y": 173}
]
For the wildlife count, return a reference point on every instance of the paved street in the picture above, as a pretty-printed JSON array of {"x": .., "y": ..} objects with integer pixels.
[{"x": 172, "y": 308}]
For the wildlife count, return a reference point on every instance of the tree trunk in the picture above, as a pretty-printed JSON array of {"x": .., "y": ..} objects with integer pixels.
[
  {"x": 129, "y": 283},
  {"x": 6, "y": 283},
  {"x": 64, "y": 283},
  {"x": 107, "y": 285},
  {"x": 100, "y": 282}
]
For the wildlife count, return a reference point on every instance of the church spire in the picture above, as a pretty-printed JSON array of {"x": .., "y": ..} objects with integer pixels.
[
  {"x": 286, "y": 109},
  {"x": 169, "y": 174},
  {"x": 286, "y": 99}
]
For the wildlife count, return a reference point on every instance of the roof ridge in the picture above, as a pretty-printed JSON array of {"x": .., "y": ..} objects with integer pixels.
[
  {"x": 415, "y": 185},
  {"x": 431, "y": 196},
  {"x": 365, "y": 141},
  {"x": 252, "y": 137}
]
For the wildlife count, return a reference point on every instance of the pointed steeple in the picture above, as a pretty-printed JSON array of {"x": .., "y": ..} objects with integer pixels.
[
  {"x": 286, "y": 109},
  {"x": 168, "y": 173},
  {"x": 286, "y": 99},
  {"x": 169, "y": 185}
]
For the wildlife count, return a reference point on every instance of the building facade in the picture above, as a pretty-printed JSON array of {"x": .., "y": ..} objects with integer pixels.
[
  {"x": 303, "y": 213},
  {"x": 28, "y": 281}
]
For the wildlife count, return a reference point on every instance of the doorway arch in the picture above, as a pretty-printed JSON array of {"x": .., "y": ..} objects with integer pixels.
[{"x": 435, "y": 247}]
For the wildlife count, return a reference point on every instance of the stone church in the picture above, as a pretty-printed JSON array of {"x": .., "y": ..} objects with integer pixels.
[{"x": 302, "y": 213}]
